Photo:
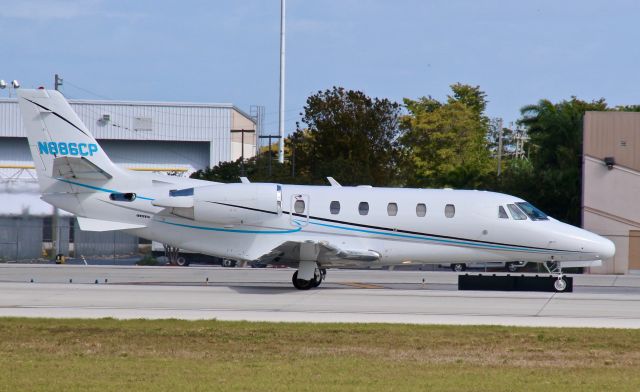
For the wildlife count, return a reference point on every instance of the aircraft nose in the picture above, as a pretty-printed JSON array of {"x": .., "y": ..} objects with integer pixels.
[{"x": 606, "y": 248}]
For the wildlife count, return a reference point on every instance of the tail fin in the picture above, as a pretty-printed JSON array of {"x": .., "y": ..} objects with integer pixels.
[{"x": 61, "y": 145}]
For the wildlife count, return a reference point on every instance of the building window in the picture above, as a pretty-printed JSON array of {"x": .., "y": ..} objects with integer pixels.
[
  {"x": 449, "y": 210},
  {"x": 363, "y": 208},
  {"x": 298, "y": 206},
  {"x": 392, "y": 209},
  {"x": 334, "y": 207},
  {"x": 502, "y": 214},
  {"x": 516, "y": 213},
  {"x": 421, "y": 209}
]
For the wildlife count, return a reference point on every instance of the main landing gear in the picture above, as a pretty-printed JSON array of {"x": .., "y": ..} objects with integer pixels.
[
  {"x": 554, "y": 268},
  {"x": 318, "y": 276}
]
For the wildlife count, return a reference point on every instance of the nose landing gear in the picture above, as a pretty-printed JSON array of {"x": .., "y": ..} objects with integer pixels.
[{"x": 554, "y": 268}]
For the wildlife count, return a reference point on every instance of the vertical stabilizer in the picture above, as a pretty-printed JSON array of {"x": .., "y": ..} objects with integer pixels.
[{"x": 61, "y": 145}]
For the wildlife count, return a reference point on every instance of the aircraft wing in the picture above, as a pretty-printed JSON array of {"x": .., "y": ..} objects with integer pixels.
[
  {"x": 78, "y": 167},
  {"x": 326, "y": 254}
]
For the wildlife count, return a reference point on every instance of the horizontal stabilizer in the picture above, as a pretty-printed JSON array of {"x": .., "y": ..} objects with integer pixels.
[
  {"x": 79, "y": 168},
  {"x": 89, "y": 224}
]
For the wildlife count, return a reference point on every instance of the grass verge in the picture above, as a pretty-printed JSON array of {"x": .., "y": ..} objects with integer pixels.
[{"x": 112, "y": 355}]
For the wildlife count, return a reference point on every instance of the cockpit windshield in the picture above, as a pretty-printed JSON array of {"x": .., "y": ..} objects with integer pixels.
[{"x": 532, "y": 212}]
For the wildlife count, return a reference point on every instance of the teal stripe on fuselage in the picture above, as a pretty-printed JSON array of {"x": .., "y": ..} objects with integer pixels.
[
  {"x": 444, "y": 240},
  {"x": 240, "y": 231},
  {"x": 97, "y": 188}
]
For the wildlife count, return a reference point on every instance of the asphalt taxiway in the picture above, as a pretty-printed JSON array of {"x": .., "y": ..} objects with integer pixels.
[{"x": 266, "y": 295}]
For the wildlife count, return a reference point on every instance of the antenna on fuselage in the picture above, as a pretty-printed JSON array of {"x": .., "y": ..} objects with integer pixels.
[{"x": 333, "y": 182}]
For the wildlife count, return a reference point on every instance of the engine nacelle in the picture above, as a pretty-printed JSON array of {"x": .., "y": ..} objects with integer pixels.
[{"x": 237, "y": 204}]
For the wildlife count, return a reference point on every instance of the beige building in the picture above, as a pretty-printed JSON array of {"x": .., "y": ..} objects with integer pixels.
[{"x": 611, "y": 185}]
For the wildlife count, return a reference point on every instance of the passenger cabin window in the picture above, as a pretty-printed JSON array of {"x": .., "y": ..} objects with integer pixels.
[
  {"x": 122, "y": 196},
  {"x": 502, "y": 213},
  {"x": 449, "y": 210},
  {"x": 298, "y": 206},
  {"x": 392, "y": 209},
  {"x": 421, "y": 209},
  {"x": 363, "y": 208},
  {"x": 516, "y": 213},
  {"x": 334, "y": 207}
]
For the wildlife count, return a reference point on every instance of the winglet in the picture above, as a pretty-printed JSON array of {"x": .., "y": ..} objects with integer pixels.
[
  {"x": 333, "y": 182},
  {"x": 245, "y": 180}
]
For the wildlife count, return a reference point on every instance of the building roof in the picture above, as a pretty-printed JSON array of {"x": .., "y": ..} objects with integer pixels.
[{"x": 148, "y": 103}]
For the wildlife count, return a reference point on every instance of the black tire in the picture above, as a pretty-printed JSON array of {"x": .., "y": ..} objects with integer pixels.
[
  {"x": 458, "y": 267},
  {"x": 317, "y": 279},
  {"x": 228, "y": 263},
  {"x": 182, "y": 262},
  {"x": 301, "y": 284},
  {"x": 511, "y": 267}
]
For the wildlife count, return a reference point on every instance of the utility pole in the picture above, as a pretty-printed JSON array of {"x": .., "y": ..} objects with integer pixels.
[
  {"x": 500, "y": 133},
  {"x": 57, "y": 82},
  {"x": 55, "y": 218},
  {"x": 269, "y": 137},
  {"x": 281, "y": 112}
]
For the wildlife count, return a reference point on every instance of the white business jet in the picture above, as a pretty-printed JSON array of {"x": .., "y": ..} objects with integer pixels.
[{"x": 310, "y": 228}]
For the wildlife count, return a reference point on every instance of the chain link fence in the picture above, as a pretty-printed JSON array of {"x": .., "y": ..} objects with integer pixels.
[{"x": 28, "y": 238}]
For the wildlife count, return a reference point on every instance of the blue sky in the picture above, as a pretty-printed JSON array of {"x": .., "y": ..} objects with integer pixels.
[{"x": 227, "y": 51}]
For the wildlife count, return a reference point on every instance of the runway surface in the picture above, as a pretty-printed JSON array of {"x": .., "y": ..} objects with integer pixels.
[{"x": 267, "y": 295}]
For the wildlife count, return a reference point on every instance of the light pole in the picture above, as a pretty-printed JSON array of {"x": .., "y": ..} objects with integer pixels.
[
  {"x": 282, "y": 58},
  {"x": 14, "y": 85}
]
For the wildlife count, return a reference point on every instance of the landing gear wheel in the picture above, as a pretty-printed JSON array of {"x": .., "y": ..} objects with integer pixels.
[
  {"x": 182, "y": 262},
  {"x": 301, "y": 284},
  {"x": 458, "y": 267},
  {"x": 560, "y": 284},
  {"x": 512, "y": 267},
  {"x": 317, "y": 278}
]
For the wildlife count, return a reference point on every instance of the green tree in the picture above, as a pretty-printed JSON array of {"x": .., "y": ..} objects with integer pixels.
[
  {"x": 445, "y": 143},
  {"x": 256, "y": 169},
  {"x": 349, "y": 136},
  {"x": 470, "y": 96}
]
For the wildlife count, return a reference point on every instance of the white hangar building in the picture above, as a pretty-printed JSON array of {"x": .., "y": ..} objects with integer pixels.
[{"x": 173, "y": 137}]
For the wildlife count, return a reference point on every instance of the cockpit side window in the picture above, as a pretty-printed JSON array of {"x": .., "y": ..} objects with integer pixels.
[
  {"x": 533, "y": 213},
  {"x": 502, "y": 214},
  {"x": 516, "y": 213}
]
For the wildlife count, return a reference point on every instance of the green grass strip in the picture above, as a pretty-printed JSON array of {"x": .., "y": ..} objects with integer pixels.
[{"x": 149, "y": 355}]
